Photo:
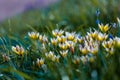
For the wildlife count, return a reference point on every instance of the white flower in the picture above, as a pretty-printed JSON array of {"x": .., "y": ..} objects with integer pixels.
[
  {"x": 39, "y": 62},
  {"x": 57, "y": 32},
  {"x": 70, "y": 36},
  {"x": 64, "y": 53},
  {"x": 50, "y": 54},
  {"x": 117, "y": 41},
  {"x": 101, "y": 36},
  {"x": 33, "y": 35},
  {"x": 18, "y": 50},
  {"x": 43, "y": 38}
]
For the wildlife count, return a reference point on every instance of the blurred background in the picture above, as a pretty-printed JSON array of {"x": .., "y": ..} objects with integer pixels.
[{"x": 65, "y": 14}]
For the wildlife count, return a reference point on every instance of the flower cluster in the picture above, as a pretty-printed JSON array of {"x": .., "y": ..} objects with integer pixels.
[{"x": 62, "y": 45}]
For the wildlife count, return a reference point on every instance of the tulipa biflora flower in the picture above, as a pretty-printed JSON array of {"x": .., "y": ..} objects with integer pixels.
[
  {"x": 117, "y": 41},
  {"x": 110, "y": 50},
  {"x": 70, "y": 43},
  {"x": 49, "y": 55},
  {"x": 18, "y": 49},
  {"x": 70, "y": 36},
  {"x": 79, "y": 39},
  {"x": 54, "y": 41},
  {"x": 5, "y": 57},
  {"x": 63, "y": 46},
  {"x": 118, "y": 20},
  {"x": 108, "y": 44},
  {"x": 56, "y": 58},
  {"x": 93, "y": 34},
  {"x": 76, "y": 60},
  {"x": 103, "y": 28},
  {"x": 39, "y": 62},
  {"x": 33, "y": 35},
  {"x": 101, "y": 36},
  {"x": 84, "y": 50},
  {"x": 64, "y": 53},
  {"x": 43, "y": 39},
  {"x": 93, "y": 48},
  {"x": 87, "y": 58},
  {"x": 84, "y": 59},
  {"x": 61, "y": 39},
  {"x": 57, "y": 32}
]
